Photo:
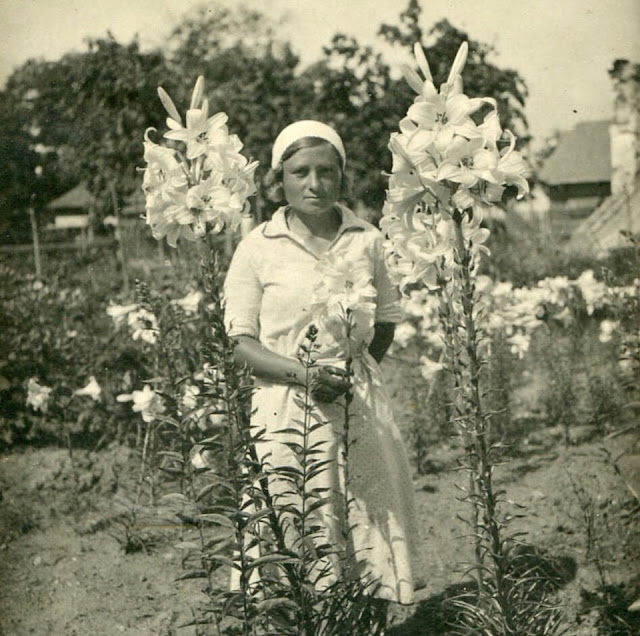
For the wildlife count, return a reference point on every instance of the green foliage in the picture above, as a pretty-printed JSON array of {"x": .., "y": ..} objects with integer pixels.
[
  {"x": 92, "y": 108},
  {"x": 261, "y": 521}
]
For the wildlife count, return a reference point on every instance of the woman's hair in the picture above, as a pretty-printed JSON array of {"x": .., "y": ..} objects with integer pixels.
[{"x": 274, "y": 178}]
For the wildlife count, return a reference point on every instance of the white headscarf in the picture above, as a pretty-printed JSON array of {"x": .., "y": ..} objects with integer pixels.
[{"x": 305, "y": 128}]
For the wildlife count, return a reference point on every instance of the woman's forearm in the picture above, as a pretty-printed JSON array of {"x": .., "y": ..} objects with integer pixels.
[{"x": 267, "y": 364}]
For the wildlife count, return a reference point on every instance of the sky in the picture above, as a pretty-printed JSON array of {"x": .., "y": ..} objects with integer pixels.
[{"x": 562, "y": 48}]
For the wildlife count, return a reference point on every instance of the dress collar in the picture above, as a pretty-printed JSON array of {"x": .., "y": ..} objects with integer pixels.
[{"x": 278, "y": 226}]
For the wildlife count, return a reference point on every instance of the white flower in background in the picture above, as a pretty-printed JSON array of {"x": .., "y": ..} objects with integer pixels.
[
  {"x": 189, "y": 303},
  {"x": 519, "y": 343},
  {"x": 190, "y": 396},
  {"x": 415, "y": 303},
  {"x": 38, "y": 395},
  {"x": 119, "y": 313},
  {"x": 404, "y": 333},
  {"x": 143, "y": 325},
  {"x": 607, "y": 329},
  {"x": 594, "y": 292},
  {"x": 557, "y": 289},
  {"x": 429, "y": 368},
  {"x": 92, "y": 390},
  {"x": 201, "y": 458},
  {"x": 146, "y": 402}
]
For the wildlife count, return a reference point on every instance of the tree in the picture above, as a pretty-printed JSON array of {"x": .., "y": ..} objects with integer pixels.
[{"x": 93, "y": 109}]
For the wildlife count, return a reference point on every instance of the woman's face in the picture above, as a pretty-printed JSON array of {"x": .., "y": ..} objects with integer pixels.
[{"x": 312, "y": 179}]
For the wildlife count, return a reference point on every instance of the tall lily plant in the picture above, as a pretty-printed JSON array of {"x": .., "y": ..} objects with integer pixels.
[
  {"x": 285, "y": 572},
  {"x": 451, "y": 163}
]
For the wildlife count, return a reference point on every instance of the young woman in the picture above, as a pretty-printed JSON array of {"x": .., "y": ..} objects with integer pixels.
[{"x": 269, "y": 290}]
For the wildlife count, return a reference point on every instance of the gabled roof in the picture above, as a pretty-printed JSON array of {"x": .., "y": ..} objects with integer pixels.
[
  {"x": 76, "y": 198},
  {"x": 583, "y": 155}
]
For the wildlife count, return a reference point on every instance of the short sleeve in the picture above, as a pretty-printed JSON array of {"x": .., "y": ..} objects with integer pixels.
[
  {"x": 242, "y": 294},
  {"x": 388, "y": 303}
]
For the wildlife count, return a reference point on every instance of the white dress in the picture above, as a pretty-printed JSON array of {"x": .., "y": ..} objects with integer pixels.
[{"x": 268, "y": 290}]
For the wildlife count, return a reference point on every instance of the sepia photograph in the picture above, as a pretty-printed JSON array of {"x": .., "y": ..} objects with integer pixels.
[{"x": 320, "y": 318}]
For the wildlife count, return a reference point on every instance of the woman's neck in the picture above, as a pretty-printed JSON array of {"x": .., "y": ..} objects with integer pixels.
[{"x": 323, "y": 226}]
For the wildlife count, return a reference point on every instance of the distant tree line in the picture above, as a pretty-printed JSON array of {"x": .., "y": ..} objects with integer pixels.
[{"x": 82, "y": 117}]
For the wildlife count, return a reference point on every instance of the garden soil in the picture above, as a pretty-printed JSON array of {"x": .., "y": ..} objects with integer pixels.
[{"x": 71, "y": 563}]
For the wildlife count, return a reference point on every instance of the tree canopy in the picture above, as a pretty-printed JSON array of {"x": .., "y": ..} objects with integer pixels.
[{"x": 83, "y": 116}]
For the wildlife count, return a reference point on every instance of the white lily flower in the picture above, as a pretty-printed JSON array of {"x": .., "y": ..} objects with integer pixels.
[
  {"x": 190, "y": 302},
  {"x": 38, "y": 395},
  {"x": 92, "y": 390},
  {"x": 143, "y": 325},
  {"x": 119, "y": 313},
  {"x": 146, "y": 402}
]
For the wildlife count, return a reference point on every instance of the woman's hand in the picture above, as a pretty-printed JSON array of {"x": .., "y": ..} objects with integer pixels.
[{"x": 326, "y": 383}]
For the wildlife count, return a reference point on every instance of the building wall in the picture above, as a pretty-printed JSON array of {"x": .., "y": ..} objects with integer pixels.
[
  {"x": 625, "y": 131},
  {"x": 570, "y": 204}
]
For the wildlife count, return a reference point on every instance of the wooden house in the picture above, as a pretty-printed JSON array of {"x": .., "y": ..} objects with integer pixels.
[
  {"x": 577, "y": 176},
  {"x": 68, "y": 215}
]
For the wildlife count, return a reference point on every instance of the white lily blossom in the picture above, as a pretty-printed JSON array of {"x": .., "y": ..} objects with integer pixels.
[
  {"x": 444, "y": 163},
  {"x": 119, "y": 313},
  {"x": 143, "y": 325},
  {"x": 146, "y": 402},
  {"x": 607, "y": 330},
  {"x": 38, "y": 395},
  {"x": 189, "y": 303},
  {"x": 92, "y": 390},
  {"x": 202, "y": 186}
]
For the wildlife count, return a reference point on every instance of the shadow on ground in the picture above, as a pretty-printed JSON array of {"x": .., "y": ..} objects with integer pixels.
[{"x": 437, "y": 615}]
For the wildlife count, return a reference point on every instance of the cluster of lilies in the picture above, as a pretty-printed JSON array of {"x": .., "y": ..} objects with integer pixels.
[
  {"x": 448, "y": 167},
  {"x": 199, "y": 182}
]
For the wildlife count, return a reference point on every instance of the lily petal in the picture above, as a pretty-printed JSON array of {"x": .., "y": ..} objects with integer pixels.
[
  {"x": 167, "y": 102},
  {"x": 459, "y": 62},
  {"x": 412, "y": 78},
  {"x": 198, "y": 91},
  {"x": 422, "y": 61}
]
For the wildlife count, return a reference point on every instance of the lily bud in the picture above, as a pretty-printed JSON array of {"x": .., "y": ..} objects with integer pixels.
[
  {"x": 198, "y": 91},
  {"x": 422, "y": 61},
  {"x": 412, "y": 78},
  {"x": 170, "y": 107},
  {"x": 459, "y": 62}
]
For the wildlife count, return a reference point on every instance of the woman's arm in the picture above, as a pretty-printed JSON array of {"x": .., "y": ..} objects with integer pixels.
[
  {"x": 267, "y": 364},
  {"x": 326, "y": 382},
  {"x": 382, "y": 339}
]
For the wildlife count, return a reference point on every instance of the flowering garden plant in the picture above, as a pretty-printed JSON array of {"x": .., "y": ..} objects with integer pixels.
[
  {"x": 448, "y": 169},
  {"x": 201, "y": 182}
]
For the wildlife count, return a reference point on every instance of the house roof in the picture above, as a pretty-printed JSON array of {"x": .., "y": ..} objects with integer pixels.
[
  {"x": 583, "y": 155},
  {"x": 76, "y": 198}
]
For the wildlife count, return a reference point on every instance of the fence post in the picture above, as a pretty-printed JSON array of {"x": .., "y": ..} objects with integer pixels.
[
  {"x": 36, "y": 242},
  {"x": 122, "y": 253}
]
